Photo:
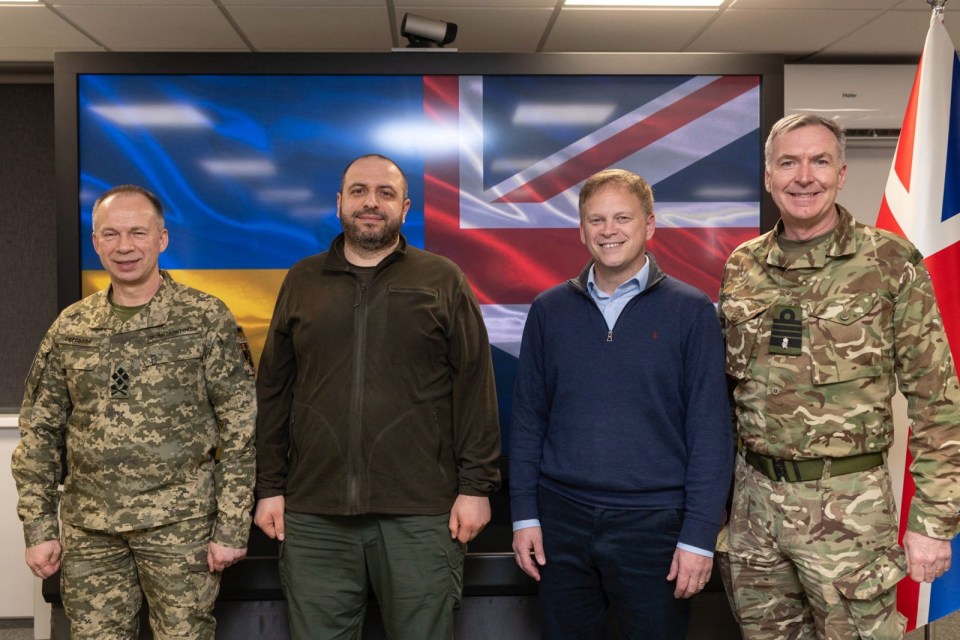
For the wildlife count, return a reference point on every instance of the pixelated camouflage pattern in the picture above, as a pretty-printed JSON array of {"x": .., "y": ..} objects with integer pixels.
[
  {"x": 141, "y": 408},
  {"x": 870, "y": 318},
  {"x": 103, "y": 575},
  {"x": 815, "y": 559}
]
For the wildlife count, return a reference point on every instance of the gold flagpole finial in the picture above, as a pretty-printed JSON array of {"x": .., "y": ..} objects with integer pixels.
[{"x": 937, "y": 5}]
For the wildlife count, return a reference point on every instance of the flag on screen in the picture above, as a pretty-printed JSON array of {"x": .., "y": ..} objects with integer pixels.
[
  {"x": 922, "y": 203},
  {"x": 505, "y": 206}
]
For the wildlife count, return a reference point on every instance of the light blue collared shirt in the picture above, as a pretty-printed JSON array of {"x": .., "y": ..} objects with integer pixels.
[{"x": 611, "y": 306}]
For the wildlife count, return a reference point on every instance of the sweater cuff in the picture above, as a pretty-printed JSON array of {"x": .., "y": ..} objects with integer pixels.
[{"x": 699, "y": 534}]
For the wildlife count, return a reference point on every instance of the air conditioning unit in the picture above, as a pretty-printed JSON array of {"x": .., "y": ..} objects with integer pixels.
[{"x": 868, "y": 100}]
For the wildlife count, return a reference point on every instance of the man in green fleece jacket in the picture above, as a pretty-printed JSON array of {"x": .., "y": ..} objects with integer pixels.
[{"x": 378, "y": 435}]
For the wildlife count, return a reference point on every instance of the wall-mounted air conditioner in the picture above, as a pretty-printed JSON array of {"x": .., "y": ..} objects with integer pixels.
[{"x": 868, "y": 100}]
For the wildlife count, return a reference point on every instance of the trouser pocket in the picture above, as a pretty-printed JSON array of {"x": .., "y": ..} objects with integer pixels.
[{"x": 869, "y": 594}]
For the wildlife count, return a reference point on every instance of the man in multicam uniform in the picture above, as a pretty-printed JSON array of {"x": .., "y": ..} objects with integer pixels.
[
  {"x": 824, "y": 317},
  {"x": 139, "y": 386}
]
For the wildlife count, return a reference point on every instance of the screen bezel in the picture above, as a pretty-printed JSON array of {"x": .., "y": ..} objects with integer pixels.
[{"x": 68, "y": 67}]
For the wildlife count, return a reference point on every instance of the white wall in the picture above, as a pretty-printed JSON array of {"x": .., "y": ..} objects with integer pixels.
[
  {"x": 867, "y": 169},
  {"x": 17, "y": 601}
]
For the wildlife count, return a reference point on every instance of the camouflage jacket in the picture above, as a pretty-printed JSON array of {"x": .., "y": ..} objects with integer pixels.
[
  {"x": 140, "y": 408},
  {"x": 868, "y": 318}
]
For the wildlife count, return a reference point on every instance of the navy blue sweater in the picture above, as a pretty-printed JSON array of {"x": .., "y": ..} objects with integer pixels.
[{"x": 636, "y": 418}]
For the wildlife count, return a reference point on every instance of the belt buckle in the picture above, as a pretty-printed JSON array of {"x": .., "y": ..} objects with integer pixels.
[{"x": 780, "y": 469}]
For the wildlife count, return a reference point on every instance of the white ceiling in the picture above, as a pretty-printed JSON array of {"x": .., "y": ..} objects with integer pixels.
[{"x": 801, "y": 30}]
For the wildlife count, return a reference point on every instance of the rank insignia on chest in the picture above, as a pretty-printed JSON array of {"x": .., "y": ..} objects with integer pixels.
[
  {"x": 119, "y": 383},
  {"x": 786, "y": 336}
]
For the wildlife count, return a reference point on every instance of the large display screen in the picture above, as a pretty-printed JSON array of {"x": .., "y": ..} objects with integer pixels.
[{"x": 246, "y": 153}]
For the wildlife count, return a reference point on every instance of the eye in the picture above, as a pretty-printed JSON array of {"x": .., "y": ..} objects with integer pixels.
[
  {"x": 386, "y": 194},
  {"x": 624, "y": 219}
]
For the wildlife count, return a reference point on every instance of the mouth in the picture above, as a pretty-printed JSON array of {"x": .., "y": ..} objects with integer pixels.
[{"x": 611, "y": 245}]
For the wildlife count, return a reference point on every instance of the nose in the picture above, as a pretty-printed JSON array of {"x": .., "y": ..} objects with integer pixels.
[
  {"x": 804, "y": 173},
  {"x": 125, "y": 242},
  {"x": 370, "y": 202}
]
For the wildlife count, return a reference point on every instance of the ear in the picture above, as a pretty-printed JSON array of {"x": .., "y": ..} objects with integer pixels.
[
  {"x": 842, "y": 179},
  {"x": 767, "y": 180},
  {"x": 164, "y": 239},
  {"x": 651, "y": 225},
  {"x": 338, "y": 205},
  {"x": 406, "y": 207}
]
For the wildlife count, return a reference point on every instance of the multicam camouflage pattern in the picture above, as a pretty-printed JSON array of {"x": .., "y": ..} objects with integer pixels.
[
  {"x": 869, "y": 320},
  {"x": 103, "y": 574},
  {"x": 141, "y": 408},
  {"x": 815, "y": 559}
]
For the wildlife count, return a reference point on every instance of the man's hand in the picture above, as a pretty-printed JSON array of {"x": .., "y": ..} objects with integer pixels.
[
  {"x": 468, "y": 517},
  {"x": 269, "y": 517},
  {"x": 927, "y": 558},
  {"x": 220, "y": 557},
  {"x": 525, "y": 542},
  {"x": 691, "y": 571},
  {"x": 44, "y": 558}
]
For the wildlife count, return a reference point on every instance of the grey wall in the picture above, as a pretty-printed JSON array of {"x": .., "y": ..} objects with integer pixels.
[{"x": 28, "y": 260}]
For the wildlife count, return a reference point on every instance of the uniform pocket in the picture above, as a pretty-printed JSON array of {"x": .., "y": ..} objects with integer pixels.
[
  {"x": 868, "y": 593},
  {"x": 744, "y": 322},
  {"x": 845, "y": 338}
]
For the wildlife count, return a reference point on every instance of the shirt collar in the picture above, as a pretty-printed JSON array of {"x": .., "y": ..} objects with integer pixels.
[{"x": 637, "y": 282}]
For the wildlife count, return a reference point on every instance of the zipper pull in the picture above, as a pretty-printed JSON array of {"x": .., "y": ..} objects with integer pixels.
[
  {"x": 359, "y": 296},
  {"x": 610, "y": 335}
]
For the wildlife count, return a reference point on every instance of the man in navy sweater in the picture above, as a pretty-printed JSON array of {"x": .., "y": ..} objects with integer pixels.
[{"x": 621, "y": 448}]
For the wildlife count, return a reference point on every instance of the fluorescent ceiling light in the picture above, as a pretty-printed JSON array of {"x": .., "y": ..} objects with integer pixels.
[
  {"x": 560, "y": 114},
  {"x": 19, "y": 1},
  {"x": 154, "y": 115},
  {"x": 643, "y": 3},
  {"x": 239, "y": 168}
]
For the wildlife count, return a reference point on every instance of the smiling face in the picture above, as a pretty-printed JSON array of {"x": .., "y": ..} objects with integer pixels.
[
  {"x": 372, "y": 206},
  {"x": 804, "y": 173},
  {"x": 129, "y": 237},
  {"x": 615, "y": 229}
]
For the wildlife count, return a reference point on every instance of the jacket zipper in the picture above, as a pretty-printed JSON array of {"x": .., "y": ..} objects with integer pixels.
[{"x": 353, "y": 473}]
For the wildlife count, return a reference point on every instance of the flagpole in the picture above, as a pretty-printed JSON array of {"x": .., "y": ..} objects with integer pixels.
[
  {"x": 937, "y": 9},
  {"x": 937, "y": 6}
]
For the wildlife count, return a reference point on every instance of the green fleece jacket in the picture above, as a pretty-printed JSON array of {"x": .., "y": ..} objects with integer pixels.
[{"x": 375, "y": 392}]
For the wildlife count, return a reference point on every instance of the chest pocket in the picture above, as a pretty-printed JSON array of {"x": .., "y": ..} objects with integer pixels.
[
  {"x": 846, "y": 338},
  {"x": 743, "y": 324},
  {"x": 172, "y": 365},
  {"x": 80, "y": 366}
]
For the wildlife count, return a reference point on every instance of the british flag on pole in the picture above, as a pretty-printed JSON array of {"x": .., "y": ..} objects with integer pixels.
[{"x": 922, "y": 203}]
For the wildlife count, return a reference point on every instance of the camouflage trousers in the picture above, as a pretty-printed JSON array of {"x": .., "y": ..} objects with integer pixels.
[
  {"x": 815, "y": 559},
  {"x": 103, "y": 575}
]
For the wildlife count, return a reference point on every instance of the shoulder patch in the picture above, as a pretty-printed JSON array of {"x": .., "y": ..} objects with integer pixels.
[{"x": 244, "y": 348}]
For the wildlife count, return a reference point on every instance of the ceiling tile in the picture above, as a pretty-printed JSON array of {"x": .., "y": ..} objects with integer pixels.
[
  {"x": 623, "y": 30},
  {"x": 901, "y": 32},
  {"x": 305, "y": 4},
  {"x": 315, "y": 28},
  {"x": 171, "y": 28},
  {"x": 135, "y": 3},
  {"x": 879, "y": 5},
  {"x": 787, "y": 31},
  {"x": 38, "y": 28}
]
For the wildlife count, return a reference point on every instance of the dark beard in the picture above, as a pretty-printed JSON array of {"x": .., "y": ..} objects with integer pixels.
[{"x": 369, "y": 241}]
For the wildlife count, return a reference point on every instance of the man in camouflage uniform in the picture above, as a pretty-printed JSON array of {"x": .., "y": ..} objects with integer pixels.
[
  {"x": 139, "y": 386},
  {"x": 823, "y": 318}
]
